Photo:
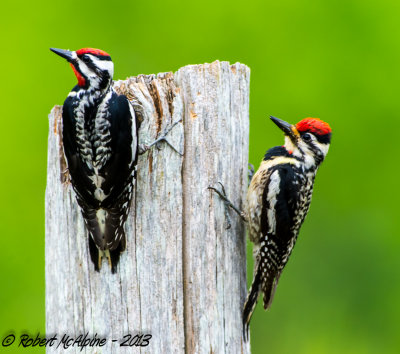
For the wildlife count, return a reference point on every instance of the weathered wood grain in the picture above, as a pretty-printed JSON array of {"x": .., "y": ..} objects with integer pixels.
[{"x": 182, "y": 277}]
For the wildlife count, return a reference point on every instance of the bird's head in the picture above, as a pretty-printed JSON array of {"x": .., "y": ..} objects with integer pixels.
[
  {"x": 309, "y": 138},
  {"x": 92, "y": 67}
]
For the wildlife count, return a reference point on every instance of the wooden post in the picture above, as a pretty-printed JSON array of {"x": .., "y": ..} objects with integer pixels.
[{"x": 182, "y": 278}]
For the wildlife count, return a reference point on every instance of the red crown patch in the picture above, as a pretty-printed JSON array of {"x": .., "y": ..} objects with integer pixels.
[
  {"x": 93, "y": 51},
  {"x": 313, "y": 125}
]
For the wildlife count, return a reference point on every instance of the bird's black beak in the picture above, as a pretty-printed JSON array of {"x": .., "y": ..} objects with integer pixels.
[
  {"x": 289, "y": 129},
  {"x": 66, "y": 54}
]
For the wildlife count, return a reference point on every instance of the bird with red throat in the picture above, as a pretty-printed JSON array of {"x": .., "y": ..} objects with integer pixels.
[{"x": 100, "y": 138}]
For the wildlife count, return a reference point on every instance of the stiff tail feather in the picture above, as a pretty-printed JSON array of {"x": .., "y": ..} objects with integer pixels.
[
  {"x": 96, "y": 255},
  {"x": 106, "y": 235},
  {"x": 268, "y": 288},
  {"x": 262, "y": 282},
  {"x": 251, "y": 302}
]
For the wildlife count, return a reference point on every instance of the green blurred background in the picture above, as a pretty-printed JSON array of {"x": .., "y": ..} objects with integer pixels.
[{"x": 337, "y": 60}]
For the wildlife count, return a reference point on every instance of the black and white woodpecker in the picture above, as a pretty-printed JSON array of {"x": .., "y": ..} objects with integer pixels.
[
  {"x": 100, "y": 136},
  {"x": 277, "y": 203}
]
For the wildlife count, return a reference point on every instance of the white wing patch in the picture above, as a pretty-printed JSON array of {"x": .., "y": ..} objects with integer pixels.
[
  {"x": 134, "y": 132},
  {"x": 273, "y": 191}
]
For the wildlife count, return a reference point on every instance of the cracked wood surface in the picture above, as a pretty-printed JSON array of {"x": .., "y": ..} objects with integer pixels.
[{"x": 182, "y": 277}]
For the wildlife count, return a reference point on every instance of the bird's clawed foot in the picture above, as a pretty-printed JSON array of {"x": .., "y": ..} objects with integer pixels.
[
  {"x": 163, "y": 137},
  {"x": 228, "y": 204}
]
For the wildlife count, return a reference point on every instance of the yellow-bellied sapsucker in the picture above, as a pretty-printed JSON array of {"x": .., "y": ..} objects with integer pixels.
[
  {"x": 101, "y": 149},
  {"x": 278, "y": 200},
  {"x": 100, "y": 137},
  {"x": 277, "y": 203}
]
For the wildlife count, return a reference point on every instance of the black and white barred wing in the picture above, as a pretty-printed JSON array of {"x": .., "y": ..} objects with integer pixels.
[
  {"x": 254, "y": 202},
  {"x": 276, "y": 239},
  {"x": 273, "y": 244},
  {"x": 79, "y": 170},
  {"x": 119, "y": 170}
]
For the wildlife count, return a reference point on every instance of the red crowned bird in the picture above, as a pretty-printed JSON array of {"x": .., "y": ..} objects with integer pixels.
[
  {"x": 277, "y": 203},
  {"x": 100, "y": 136}
]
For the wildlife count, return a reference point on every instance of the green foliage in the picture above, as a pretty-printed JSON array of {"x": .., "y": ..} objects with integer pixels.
[{"x": 336, "y": 60}]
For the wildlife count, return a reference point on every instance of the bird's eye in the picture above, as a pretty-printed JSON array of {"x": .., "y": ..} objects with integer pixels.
[
  {"x": 86, "y": 59},
  {"x": 306, "y": 137}
]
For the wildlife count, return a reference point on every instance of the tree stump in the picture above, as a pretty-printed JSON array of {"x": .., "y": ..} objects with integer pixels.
[{"x": 182, "y": 278}]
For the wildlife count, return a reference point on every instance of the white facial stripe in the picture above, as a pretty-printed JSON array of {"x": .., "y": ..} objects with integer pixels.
[
  {"x": 323, "y": 147},
  {"x": 303, "y": 149},
  {"x": 289, "y": 144},
  {"x": 93, "y": 77},
  {"x": 104, "y": 65},
  {"x": 292, "y": 147},
  {"x": 85, "y": 70},
  {"x": 309, "y": 160},
  {"x": 320, "y": 146}
]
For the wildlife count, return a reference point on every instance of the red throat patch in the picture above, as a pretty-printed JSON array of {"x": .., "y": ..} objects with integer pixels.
[
  {"x": 313, "y": 125},
  {"x": 93, "y": 51},
  {"x": 81, "y": 79}
]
